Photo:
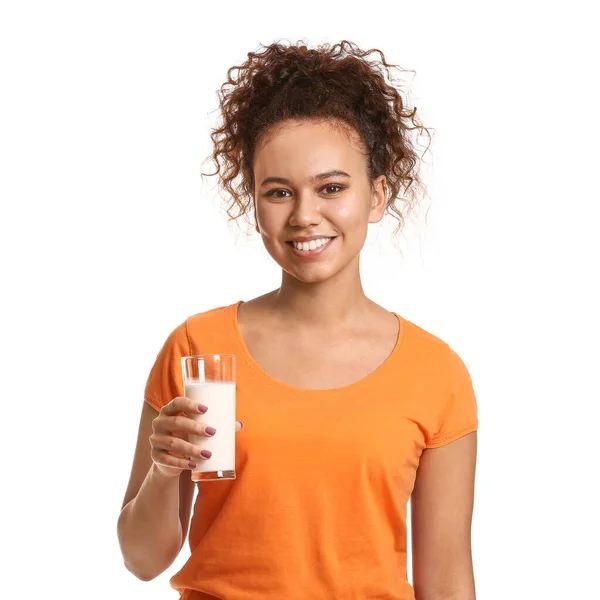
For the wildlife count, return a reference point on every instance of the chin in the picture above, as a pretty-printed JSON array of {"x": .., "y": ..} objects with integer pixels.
[
  {"x": 309, "y": 272},
  {"x": 315, "y": 273},
  {"x": 310, "y": 275}
]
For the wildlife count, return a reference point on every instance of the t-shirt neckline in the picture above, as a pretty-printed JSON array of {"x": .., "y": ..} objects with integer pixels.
[{"x": 258, "y": 370}]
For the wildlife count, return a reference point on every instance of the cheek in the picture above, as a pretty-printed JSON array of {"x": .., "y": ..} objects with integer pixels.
[
  {"x": 267, "y": 220},
  {"x": 349, "y": 214}
]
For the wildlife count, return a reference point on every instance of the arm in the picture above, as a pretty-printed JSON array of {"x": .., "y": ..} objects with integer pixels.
[
  {"x": 154, "y": 518},
  {"x": 441, "y": 514}
]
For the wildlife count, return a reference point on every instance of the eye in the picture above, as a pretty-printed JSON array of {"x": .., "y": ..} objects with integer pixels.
[
  {"x": 337, "y": 189},
  {"x": 333, "y": 185},
  {"x": 272, "y": 193}
]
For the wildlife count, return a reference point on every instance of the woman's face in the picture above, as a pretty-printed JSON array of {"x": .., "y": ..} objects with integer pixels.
[{"x": 313, "y": 199}]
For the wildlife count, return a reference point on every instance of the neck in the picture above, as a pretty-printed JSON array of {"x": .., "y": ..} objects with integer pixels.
[{"x": 327, "y": 304}]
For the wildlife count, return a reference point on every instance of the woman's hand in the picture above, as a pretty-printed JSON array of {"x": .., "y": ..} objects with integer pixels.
[{"x": 171, "y": 450}]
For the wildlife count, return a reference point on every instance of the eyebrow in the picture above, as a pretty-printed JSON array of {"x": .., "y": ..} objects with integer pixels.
[{"x": 319, "y": 177}]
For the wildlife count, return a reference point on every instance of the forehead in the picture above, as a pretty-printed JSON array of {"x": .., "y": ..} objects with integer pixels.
[{"x": 302, "y": 147}]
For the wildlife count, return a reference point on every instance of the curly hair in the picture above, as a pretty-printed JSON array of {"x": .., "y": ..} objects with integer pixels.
[{"x": 333, "y": 83}]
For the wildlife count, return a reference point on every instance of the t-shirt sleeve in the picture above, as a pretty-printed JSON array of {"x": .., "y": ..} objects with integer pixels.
[
  {"x": 459, "y": 412},
  {"x": 165, "y": 380}
]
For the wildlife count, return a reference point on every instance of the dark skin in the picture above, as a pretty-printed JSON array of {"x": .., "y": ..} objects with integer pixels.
[
  {"x": 337, "y": 335},
  {"x": 442, "y": 499},
  {"x": 323, "y": 359}
]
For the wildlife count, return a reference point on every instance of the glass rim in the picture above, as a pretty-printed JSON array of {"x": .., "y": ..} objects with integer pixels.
[{"x": 203, "y": 355}]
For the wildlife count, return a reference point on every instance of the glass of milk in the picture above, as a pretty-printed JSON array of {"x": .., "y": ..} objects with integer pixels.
[{"x": 210, "y": 380}]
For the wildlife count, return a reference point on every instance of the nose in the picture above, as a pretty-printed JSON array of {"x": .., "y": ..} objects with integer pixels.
[{"x": 306, "y": 211}]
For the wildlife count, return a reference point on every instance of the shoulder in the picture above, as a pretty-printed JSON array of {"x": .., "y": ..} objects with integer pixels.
[
  {"x": 214, "y": 314},
  {"x": 435, "y": 354},
  {"x": 198, "y": 320},
  {"x": 421, "y": 341}
]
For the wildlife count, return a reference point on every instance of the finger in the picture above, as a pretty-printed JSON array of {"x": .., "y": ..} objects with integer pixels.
[
  {"x": 181, "y": 435},
  {"x": 185, "y": 425},
  {"x": 238, "y": 426},
  {"x": 168, "y": 460},
  {"x": 198, "y": 453},
  {"x": 176, "y": 446},
  {"x": 183, "y": 404}
]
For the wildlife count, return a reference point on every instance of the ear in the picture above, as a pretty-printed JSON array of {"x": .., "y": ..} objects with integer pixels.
[{"x": 378, "y": 199}]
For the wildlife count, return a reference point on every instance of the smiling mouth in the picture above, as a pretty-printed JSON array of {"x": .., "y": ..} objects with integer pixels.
[
  {"x": 312, "y": 245},
  {"x": 310, "y": 249}
]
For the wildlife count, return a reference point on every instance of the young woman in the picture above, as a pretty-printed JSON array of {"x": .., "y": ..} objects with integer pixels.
[{"x": 348, "y": 410}]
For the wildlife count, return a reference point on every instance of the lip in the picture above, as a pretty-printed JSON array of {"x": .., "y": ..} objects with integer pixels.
[{"x": 309, "y": 254}]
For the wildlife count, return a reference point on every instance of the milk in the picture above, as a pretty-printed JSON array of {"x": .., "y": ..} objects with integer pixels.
[{"x": 219, "y": 397}]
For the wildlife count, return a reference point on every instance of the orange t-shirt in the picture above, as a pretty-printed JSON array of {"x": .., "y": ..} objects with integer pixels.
[{"x": 318, "y": 508}]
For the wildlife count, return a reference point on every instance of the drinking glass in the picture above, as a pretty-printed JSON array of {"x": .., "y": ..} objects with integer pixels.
[{"x": 209, "y": 379}]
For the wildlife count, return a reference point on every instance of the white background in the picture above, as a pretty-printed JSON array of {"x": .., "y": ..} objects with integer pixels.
[{"x": 109, "y": 240}]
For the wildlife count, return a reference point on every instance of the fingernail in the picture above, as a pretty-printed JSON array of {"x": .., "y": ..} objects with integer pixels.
[
  {"x": 202, "y": 408},
  {"x": 210, "y": 430},
  {"x": 192, "y": 465},
  {"x": 206, "y": 453}
]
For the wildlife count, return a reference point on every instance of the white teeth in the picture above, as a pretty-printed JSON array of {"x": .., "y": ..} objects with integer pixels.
[{"x": 312, "y": 245}]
